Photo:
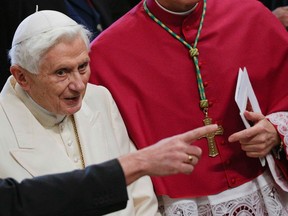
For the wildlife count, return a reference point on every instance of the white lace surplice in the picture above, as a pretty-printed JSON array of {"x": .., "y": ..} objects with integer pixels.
[{"x": 259, "y": 197}]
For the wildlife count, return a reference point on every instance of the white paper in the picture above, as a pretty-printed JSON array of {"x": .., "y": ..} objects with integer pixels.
[{"x": 246, "y": 98}]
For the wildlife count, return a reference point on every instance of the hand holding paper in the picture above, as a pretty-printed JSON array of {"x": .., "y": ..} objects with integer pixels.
[
  {"x": 246, "y": 99},
  {"x": 245, "y": 96}
]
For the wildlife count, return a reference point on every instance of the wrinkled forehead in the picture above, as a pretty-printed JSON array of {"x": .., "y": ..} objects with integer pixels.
[
  {"x": 64, "y": 55},
  {"x": 40, "y": 22}
]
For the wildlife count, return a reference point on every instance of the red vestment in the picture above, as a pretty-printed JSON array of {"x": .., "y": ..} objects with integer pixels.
[{"x": 153, "y": 80}]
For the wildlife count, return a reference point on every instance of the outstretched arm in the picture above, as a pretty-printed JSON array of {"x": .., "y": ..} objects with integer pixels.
[
  {"x": 99, "y": 189},
  {"x": 169, "y": 156}
]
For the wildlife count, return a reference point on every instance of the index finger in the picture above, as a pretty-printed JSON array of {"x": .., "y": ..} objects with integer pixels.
[
  {"x": 198, "y": 132},
  {"x": 246, "y": 133}
]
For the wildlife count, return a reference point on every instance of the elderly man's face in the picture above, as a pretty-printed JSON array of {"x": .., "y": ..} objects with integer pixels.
[{"x": 63, "y": 75}]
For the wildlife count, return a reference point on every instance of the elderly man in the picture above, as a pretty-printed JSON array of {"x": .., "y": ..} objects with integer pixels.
[{"x": 53, "y": 121}]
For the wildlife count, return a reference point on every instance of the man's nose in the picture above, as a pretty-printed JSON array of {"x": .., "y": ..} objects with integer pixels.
[{"x": 76, "y": 82}]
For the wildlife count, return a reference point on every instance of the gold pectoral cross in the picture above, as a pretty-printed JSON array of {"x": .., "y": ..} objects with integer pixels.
[{"x": 213, "y": 151}]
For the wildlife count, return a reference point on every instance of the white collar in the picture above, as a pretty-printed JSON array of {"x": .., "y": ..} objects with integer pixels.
[
  {"x": 176, "y": 13},
  {"x": 46, "y": 118}
]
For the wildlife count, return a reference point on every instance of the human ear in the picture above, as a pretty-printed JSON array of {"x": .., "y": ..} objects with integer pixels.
[{"x": 20, "y": 76}]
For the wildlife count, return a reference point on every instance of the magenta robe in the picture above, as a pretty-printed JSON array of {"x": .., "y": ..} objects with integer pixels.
[{"x": 153, "y": 81}]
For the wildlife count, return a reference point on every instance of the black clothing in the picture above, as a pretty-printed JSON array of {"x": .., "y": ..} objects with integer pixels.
[{"x": 96, "y": 190}]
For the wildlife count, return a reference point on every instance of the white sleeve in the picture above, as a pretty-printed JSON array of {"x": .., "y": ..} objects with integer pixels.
[
  {"x": 280, "y": 121},
  {"x": 142, "y": 198}
]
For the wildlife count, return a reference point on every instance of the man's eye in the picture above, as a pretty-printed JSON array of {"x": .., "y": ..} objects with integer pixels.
[
  {"x": 61, "y": 72},
  {"x": 82, "y": 68}
]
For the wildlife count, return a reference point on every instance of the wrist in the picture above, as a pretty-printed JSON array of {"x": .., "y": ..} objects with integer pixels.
[
  {"x": 279, "y": 150},
  {"x": 133, "y": 166}
]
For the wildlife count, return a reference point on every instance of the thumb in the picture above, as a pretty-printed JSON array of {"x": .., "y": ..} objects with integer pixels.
[{"x": 253, "y": 116}]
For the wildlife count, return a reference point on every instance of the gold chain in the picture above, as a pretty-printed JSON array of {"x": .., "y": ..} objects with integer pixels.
[{"x": 78, "y": 141}]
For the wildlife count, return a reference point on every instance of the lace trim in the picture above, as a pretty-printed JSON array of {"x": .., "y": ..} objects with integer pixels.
[
  {"x": 280, "y": 119},
  {"x": 258, "y": 197},
  {"x": 265, "y": 201}
]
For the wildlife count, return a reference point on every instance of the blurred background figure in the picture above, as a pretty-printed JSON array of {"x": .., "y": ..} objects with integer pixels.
[{"x": 279, "y": 8}]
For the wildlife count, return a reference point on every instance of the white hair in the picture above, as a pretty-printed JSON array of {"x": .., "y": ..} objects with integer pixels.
[{"x": 28, "y": 53}]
